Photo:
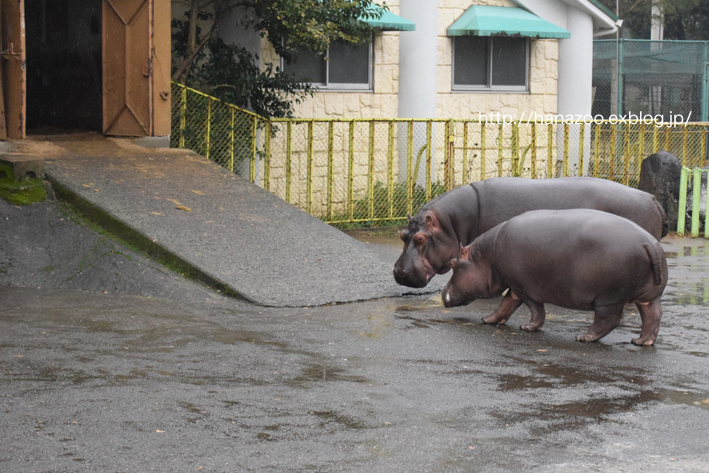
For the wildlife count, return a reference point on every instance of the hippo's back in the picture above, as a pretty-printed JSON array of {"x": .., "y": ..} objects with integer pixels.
[{"x": 500, "y": 199}]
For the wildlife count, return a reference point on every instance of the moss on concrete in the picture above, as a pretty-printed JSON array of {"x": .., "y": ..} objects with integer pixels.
[{"x": 23, "y": 193}]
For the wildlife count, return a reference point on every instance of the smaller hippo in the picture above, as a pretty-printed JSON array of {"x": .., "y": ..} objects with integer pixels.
[{"x": 578, "y": 259}]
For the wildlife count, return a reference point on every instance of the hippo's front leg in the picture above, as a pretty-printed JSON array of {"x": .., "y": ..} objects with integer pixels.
[
  {"x": 537, "y": 319},
  {"x": 508, "y": 305}
]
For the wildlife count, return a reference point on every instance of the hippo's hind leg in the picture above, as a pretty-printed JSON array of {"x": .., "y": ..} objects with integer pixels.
[
  {"x": 605, "y": 319},
  {"x": 650, "y": 315},
  {"x": 537, "y": 319},
  {"x": 507, "y": 307}
]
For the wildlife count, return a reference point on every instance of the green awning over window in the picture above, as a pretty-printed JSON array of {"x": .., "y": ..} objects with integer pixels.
[
  {"x": 390, "y": 22},
  {"x": 483, "y": 20}
]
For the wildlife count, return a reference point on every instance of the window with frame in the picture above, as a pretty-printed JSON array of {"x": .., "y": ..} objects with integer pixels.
[
  {"x": 487, "y": 63},
  {"x": 344, "y": 67}
]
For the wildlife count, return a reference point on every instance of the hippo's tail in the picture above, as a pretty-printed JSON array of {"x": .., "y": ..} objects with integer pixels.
[{"x": 655, "y": 254}]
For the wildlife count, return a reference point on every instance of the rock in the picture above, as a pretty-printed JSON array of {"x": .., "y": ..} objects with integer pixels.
[{"x": 660, "y": 175}]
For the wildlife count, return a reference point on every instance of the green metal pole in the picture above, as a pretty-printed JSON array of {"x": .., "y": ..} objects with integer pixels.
[
  {"x": 696, "y": 193},
  {"x": 682, "y": 211}
]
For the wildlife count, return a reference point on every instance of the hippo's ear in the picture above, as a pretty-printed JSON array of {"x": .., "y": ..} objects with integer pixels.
[
  {"x": 465, "y": 251},
  {"x": 409, "y": 217},
  {"x": 431, "y": 222}
]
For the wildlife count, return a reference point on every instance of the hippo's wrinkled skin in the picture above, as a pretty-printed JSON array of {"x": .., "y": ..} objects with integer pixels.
[
  {"x": 578, "y": 258},
  {"x": 434, "y": 235}
]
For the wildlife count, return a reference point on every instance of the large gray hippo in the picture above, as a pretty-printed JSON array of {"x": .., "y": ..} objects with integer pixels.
[
  {"x": 434, "y": 235},
  {"x": 577, "y": 258}
]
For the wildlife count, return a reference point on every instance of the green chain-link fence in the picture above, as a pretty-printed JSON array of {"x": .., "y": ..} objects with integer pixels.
[{"x": 362, "y": 170}]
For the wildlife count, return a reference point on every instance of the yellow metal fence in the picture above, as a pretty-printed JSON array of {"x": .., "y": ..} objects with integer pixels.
[{"x": 359, "y": 170}]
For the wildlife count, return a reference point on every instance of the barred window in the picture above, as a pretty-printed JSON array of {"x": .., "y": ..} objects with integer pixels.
[
  {"x": 344, "y": 67},
  {"x": 490, "y": 63}
]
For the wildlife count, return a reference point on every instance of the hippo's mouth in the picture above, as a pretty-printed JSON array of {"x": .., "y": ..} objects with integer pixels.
[{"x": 430, "y": 272}]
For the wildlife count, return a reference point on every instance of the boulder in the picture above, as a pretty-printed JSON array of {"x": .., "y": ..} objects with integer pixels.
[{"x": 660, "y": 175}]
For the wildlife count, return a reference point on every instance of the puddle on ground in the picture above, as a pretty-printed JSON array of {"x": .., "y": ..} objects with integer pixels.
[{"x": 322, "y": 372}]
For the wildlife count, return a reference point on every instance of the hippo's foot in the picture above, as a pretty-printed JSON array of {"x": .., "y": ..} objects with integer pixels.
[
  {"x": 642, "y": 341},
  {"x": 587, "y": 337},
  {"x": 531, "y": 327},
  {"x": 495, "y": 318}
]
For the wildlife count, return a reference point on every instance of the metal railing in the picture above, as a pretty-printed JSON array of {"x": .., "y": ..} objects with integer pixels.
[
  {"x": 696, "y": 202},
  {"x": 373, "y": 170}
]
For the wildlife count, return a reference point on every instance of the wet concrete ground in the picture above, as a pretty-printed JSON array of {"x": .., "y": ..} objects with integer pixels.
[{"x": 118, "y": 382}]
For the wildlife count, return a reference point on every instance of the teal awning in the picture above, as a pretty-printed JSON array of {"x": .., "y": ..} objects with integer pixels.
[
  {"x": 483, "y": 20},
  {"x": 389, "y": 21}
]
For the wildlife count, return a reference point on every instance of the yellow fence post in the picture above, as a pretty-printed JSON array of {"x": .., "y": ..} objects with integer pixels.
[
  {"x": 500, "y": 137},
  {"x": 309, "y": 165},
  {"x": 626, "y": 156},
  {"x": 516, "y": 171},
  {"x": 465, "y": 152},
  {"x": 409, "y": 165},
  {"x": 596, "y": 149},
  {"x": 208, "y": 128},
  {"x": 252, "y": 163},
  {"x": 350, "y": 173},
  {"x": 390, "y": 169},
  {"x": 231, "y": 135},
  {"x": 330, "y": 166},
  {"x": 550, "y": 150},
  {"x": 267, "y": 158},
  {"x": 429, "y": 154},
  {"x": 582, "y": 145},
  {"x": 482, "y": 151},
  {"x": 565, "y": 158},
  {"x": 641, "y": 150},
  {"x": 450, "y": 158},
  {"x": 611, "y": 175},
  {"x": 183, "y": 117},
  {"x": 534, "y": 150},
  {"x": 289, "y": 160},
  {"x": 370, "y": 171}
]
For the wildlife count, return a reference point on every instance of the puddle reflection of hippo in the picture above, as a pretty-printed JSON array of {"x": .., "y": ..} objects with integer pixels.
[
  {"x": 578, "y": 259},
  {"x": 434, "y": 236}
]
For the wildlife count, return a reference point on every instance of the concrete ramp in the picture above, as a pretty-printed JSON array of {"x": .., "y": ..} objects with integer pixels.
[{"x": 223, "y": 230}]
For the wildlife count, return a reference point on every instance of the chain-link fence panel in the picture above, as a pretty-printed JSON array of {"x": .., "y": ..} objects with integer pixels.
[
  {"x": 663, "y": 79},
  {"x": 380, "y": 170}
]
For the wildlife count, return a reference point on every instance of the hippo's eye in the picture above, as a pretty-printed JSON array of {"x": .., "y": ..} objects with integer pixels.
[
  {"x": 404, "y": 235},
  {"x": 419, "y": 238}
]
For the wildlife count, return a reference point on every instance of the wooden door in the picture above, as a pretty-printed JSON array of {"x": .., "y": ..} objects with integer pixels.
[
  {"x": 13, "y": 96},
  {"x": 127, "y": 68}
]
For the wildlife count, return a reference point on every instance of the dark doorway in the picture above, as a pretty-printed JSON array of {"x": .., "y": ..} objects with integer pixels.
[{"x": 63, "y": 65}]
